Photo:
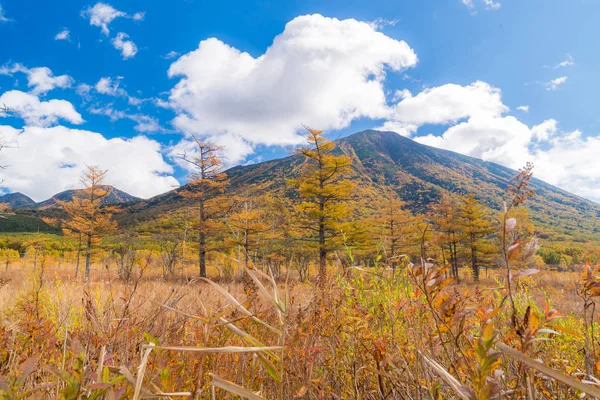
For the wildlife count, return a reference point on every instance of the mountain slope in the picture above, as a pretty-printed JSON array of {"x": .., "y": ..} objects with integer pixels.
[
  {"x": 114, "y": 196},
  {"x": 420, "y": 174},
  {"x": 16, "y": 200}
]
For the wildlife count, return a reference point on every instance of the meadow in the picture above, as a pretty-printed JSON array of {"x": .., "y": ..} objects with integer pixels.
[{"x": 372, "y": 334}]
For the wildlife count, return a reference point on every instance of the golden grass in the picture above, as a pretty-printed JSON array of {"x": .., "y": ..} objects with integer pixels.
[{"x": 366, "y": 336}]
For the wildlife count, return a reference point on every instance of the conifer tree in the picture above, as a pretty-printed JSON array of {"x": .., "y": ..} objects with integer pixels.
[
  {"x": 207, "y": 182},
  {"x": 445, "y": 217},
  {"x": 248, "y": 225},
  {"x": 394, "y": 222},
  {"x": 475, "y": 231},
  {"x": 87, "y": 217},
  {"x": 325, "y": 190}
]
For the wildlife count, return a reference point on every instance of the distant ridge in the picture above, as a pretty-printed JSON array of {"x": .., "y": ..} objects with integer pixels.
[
  {"x": 19, "y": 200},
  {"x": 16, "y": 200}
]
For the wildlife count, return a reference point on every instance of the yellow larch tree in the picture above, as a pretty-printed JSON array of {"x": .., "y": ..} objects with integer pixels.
[
  {"x": 325, "y": 190},
  {"x": 393, "y": 223},
  {"x": 86, "y": 215},
  {"x": 207, "y": 182},
  {"x": 445, "y": 218},
  {"x": 476, "y": 228}
]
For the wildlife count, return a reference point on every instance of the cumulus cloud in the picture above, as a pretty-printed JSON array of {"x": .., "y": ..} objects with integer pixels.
[
  {"x": 555, "y": 84},
  {"x": 571, "y": 163},
  {"x": 523, "y": 108},
  {"x": 39, "y": 113},
  {"x": 40, "y": 79},
  {"x": 50, "y": 160},
  {"x": 320, "y": 71},
  {"x": 504, "y": 140},
  {"x": 63, "y": 35},
  {"x": 102, "y": 14},
  {"x": 127, "y": 47},
  {"x": 450, "y": 103}
]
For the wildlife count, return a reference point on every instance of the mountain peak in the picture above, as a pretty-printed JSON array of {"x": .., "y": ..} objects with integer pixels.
[
  {"x": 19, "y": 200},
  {"x": 16, "y": 200}
]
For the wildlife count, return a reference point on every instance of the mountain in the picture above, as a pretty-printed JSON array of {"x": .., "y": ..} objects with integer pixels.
[
  {"x": 114, "y": 196},
  {"x": 19, "y": 200},
  {"x": 419, "y": 173},
  {"x": 16, "y": 200}
]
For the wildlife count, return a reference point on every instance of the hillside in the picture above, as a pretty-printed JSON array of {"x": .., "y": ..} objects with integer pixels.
[
  {"x": 114, "y": 196},
  {"x": 421, "y": 175},
  {"x": 16, "y": 200}
]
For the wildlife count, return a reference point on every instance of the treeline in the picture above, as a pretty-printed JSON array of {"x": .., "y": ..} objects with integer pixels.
[{"x": 327, "y": 222}]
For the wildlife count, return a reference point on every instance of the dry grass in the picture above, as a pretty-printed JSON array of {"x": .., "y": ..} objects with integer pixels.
[{"x": 367, "y": 336}]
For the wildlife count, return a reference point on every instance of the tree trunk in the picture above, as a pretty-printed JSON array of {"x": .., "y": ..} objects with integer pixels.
[
  {"x": 322, "y": 253},
  {"x": 202, "y": 242},
  {"x": 474, "y": 260},
  {"x": 246, "y": 249},
  {"x": 78, "y": 256},
  {"x": 88, "y": 257}
]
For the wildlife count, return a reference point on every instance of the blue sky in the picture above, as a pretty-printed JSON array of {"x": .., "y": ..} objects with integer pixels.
[{"x": 124, "y": 84}]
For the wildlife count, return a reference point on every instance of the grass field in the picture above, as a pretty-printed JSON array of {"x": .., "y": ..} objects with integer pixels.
[{"x": 369, "y": 334}]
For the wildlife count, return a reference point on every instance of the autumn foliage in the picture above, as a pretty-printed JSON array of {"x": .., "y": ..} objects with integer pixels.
[{"x": 328, "y": 292}]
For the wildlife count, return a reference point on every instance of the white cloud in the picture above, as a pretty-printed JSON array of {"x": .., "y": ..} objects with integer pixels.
[
  {"x": 39, "y": 113},
  {"x": 102, "y": 15},
  {"x": 554, "y": 84},
  {"x": 40, "y": 79},
  {"x": 523, "y": 108},
  {"x": 127, "y": 47},
  {"x": 320, "y": 71},
  {"x": 402, "y": 95},
  {"x": 63, "y": 35},
  {"x": 492, "y": 4},
  {"x": 380, "y": 23},
  {"x": 139, "y": 16},
  {"x": 83, "y": 89},
  {"x": 569, "y": 61},
  {"x": 112, "y": 87},
  {"x": 503, "y": 140},
  {"x": 170, "y": 55},
  {"x": 488, "y": 4},
  {"x": 572, "y": 163},
  {"x": 49, "y": 160},
  {"x": 450, "y": 103},
  {"x": 144, "y": 123},
  {"x": 3, "y": 17}
]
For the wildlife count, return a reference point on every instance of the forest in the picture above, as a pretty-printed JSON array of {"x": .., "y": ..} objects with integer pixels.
[{"x": 322, "y": 289}]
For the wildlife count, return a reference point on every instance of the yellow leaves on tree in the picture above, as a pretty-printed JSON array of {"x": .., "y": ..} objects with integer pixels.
[
  {"x": 475, "y": 228},
  {"x": 325, "y": 190},
  {"x": 87, "y": 216},
  {"x": 207, "y": 182}
]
